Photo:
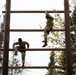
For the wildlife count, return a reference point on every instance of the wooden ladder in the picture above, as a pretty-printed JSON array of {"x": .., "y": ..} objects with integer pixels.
[{"x": 8, "y": 30}]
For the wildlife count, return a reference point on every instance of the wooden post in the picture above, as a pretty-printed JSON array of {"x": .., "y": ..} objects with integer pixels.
[
  {"x": 6, "y": 39},
  {"x": 67, "y": 38}
]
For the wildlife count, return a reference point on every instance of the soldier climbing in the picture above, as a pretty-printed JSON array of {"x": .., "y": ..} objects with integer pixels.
[
  {"x": 22, "y": 45},
  {"x": 48, "y": 27}
]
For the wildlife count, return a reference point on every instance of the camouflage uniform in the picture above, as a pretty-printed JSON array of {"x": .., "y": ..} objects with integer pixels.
[
  {"x": 48, "y": 28},
  {"x": 22, "y": 45}
]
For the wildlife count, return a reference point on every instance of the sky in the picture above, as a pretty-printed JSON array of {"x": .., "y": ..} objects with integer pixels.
[{"x": 31, "y": 21}]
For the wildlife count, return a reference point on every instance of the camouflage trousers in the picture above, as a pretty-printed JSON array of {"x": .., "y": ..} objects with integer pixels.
[
  {"x": 22, "y": 54},
  {"x": 23, "y": 57},
  {"x": 46, "y": 32}
]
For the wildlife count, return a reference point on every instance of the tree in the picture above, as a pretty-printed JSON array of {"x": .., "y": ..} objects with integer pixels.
[
  {"x": 56, "y": 40},
  {"x": 51, "y": 70},
  {"x": 62, "y": 62},
  {"x": 1, "y": 42},
  {"x": 73, "y": 39},
  {"x": 62, "y": 58},
  {"x": 13, "y": 62}
]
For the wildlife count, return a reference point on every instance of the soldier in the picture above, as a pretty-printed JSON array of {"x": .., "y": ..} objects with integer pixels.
[
  {"x": 21, "y": 45},
  {"x": 48, "y": 28}
]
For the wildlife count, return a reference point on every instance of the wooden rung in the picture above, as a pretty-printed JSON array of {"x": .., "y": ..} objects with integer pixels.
[
  {"x": 36, "y": 67},
  {"x": 36, "y": 11},
  {"x": 41, "y": 49},
  {"x": 33, "y": 30}
]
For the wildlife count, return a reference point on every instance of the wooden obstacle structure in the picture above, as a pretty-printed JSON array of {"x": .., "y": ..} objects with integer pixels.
[{"x": 8, "y": 30}]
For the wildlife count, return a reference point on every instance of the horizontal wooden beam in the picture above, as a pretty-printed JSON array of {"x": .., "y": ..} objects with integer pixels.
[
  {"x": 35, "y": 11},
  {"x": 36, "y": 67},
  {"x": 40, "y": 49},
  {"x": 32, "y": 30}
]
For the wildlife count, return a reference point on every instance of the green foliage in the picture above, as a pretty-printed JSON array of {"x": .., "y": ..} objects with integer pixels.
[
  {"x": 1, "y": 35},
  {"x": 57, "y": 40},
  {"x": 61, "y": 58},
  {"x": 62, "y": 62},
  {"x": 1, "y": 39},
  {"x": 73, "y": 39},
  {"x": 1, "y": 44},
  {"x": 74, "y": 17},
  {"x": 52, "y": 71},
  {"x": 14, "y": 62}
]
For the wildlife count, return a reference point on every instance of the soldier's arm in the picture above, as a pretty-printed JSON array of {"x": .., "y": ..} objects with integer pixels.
[
  {"x": 27, "y": 44},
  {"x": 15, "y": 44}
]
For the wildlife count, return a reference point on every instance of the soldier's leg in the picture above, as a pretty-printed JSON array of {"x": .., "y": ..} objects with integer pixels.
[
  {"x": 45, "y": 35},
  {"x": 23, "y": 58},
  {"x": 45, "y": 38}
]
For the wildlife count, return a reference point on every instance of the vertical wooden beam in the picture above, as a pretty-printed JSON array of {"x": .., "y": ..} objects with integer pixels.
[
  {"x": 6, "y": 39},
  {"x": 67, "y": 38}
]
